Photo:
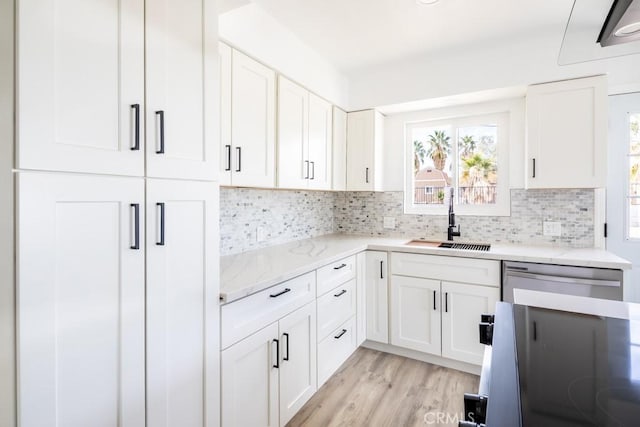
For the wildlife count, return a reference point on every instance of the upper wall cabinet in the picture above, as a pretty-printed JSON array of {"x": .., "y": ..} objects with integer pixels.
[
  {"x": 248, "y": 103},
  {"x": 80, "y": 95},
  {"x": 304, "y": 138},
  {"x": 567, "y": 134},
  {"x": 364, "y": 151},
  {"x": 182, "y": 110},
  {"x": 339, "y": 182}
]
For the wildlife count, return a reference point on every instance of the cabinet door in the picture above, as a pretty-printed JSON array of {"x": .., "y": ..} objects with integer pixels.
[
  {"x": 252, "y": 123},
  {"x": 415, "y": 314},
  {"x": 81, "y": 74},
  {"x": 360, "y": 150},
  {"x": 567, "y": 134},
  {"x": 298, "y": 365},
  {"x": 182, "y": 108},
  {"x": 462, "y": 305},
  {"x": 361, "y": 298},
  {"x": 225, "y": 53},
  {"x": 80, "y": 308},
  {"x": 377, "y": 297},
  {"x": 320, "y": 137},
  {"x": 339, "y": 182},
  {"x": 293, "y": 135},
  {"x": 250, "y": 381},
  {"x": 182, "y": 303}
]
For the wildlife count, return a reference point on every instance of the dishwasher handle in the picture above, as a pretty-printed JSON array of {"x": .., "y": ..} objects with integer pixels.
[{"x": 562, "y": 279}]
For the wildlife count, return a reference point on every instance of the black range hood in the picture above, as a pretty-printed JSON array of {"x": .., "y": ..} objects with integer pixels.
[{"x": 622, "y": 24}]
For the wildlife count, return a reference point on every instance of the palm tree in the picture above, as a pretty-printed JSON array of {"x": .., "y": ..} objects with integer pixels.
[
  {"x": 419, "y": 154},
  {"x": 477, "y": 169},
  {"x": 439, "y": 146},
  {"x": 467, "y": 146}
]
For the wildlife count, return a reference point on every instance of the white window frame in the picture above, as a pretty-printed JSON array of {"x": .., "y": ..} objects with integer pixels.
[
  {"x": 502, "y": 206},
  {"x": 627, "y": 183}
]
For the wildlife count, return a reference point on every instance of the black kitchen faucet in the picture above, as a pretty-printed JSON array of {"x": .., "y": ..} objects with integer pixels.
[{"x": 452, "y": 219}]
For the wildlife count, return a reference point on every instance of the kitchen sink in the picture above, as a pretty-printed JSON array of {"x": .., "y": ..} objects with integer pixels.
[{"x": 450, "y": 245}]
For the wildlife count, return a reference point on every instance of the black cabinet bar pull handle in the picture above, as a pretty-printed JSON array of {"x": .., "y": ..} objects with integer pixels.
[
  {"x": 277, "y": 364},
  {"x": 366, "y": 176},
  {"x": 313, "y": 170},
  {"x": 286, "y": 335},
  {"x": 228, "y": 149},
  {"x": 136, "y": 135},
  {"x": 160, "y": 115},
  {"x": 339, "y": 294},
  {"x": 534, "y": 167},
  {"x": 446, "y": 302},
  {"x": 136, "y": 226},
  {"x": 239, "y": 151},
  {"x": 340, "y": 266},
  {"x": 535, "y": 331},
  {"x": 434, "y": 300},
  {"x": 280, "y": 293},
  {"x": 381, "y": 269},
  {"x": 344, "y": 331},
  {"x": 306, "y": 169},
  {"x": 161, "y": 241}
]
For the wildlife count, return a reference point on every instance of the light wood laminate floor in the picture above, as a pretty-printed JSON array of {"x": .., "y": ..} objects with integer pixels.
[{"x": 379, "y": 389}]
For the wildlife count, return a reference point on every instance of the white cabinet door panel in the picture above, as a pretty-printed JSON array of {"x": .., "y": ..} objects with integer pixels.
[
  {"x": 462, "y": 305},
  {"x": 250, "y": 381},
  {"x": 339, "y": 150},
  {"x": 320, "y": 137},
  {"x": 225, "y": 66},
  {"x": 81, "y": 71},
  {"x": 80, "y": 300},
  {"x": 182, "y": 309},
  {"x": 415, "y": 314},
  {"x": 377, "y": 305},
  {"x": 182, "y": 83},
  {"x": 293, "y": 135}
]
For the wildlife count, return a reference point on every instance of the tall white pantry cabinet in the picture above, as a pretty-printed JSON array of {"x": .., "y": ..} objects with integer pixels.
[{"x": 116, "y": 281}]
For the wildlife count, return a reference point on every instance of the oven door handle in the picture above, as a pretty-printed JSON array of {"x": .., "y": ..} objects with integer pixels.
[{"x": 563, "y": 279}]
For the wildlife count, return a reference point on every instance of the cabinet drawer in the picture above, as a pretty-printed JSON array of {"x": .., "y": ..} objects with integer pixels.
[
  {"x": 335, "y": 274},
  {"x": 335, "y": 307},
  {"x": 454, "y": 269},
  {"x": 335, "y": 349},
  {"x": 246, "y": 316}
]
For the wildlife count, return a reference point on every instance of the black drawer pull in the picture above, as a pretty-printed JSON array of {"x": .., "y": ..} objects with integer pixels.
[
  {"x": 339, "y": 294},
  {"x": 306, "y": 166},
  {"x": 136, "y": 110},
  {"x": 228, "y": 150},
  {"x": 136, "y": 226},
  {"x": 344, "y": 331},
  {"x": 446, "y": 302},
  {"x": 381, "y": 269},
  {"x": 277, "y": 364},
  {"x": 340, "y": 266},
  {"x": 313, "y": 170},
  {"x": 434, "y": 300},
  {"x": 161, "y": 241},
  {"x": 160, "y": 115},
  {"x": 286, "y": 335},
  {"x": 534, "y": 168},
  {"x": 239, "y": 158},
  {"x": 280, "y": 293}
]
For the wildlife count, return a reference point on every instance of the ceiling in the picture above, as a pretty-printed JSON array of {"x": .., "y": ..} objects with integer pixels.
[{"x": 353, "y": 34}]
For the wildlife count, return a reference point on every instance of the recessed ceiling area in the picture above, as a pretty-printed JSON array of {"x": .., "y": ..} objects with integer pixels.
[{"x": 353, "y": 34}]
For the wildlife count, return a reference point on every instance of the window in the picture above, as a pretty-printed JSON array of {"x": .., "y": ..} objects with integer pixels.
[
  {"x": 633, "y": 193},
  {"x": 468, "y": 154}
]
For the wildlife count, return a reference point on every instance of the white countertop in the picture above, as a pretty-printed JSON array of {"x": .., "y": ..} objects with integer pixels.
[{"x": 250, "y": 272}]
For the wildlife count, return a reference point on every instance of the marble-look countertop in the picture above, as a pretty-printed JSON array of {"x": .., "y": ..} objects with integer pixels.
[{"x": 250, "y": 272}]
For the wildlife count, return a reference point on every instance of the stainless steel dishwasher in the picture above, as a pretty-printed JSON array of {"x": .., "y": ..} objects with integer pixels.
[{"x": 561, "y": 279}]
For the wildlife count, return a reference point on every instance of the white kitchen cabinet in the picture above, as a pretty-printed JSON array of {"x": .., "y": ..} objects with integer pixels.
[
  {"x": 361, "y": 299},
  {"x": 253, "y": 120},
  {"x": 376, "y": 284},
  {"x": 250, "y": 381},
  {"x": 335, "y": 349},
  {"x": 182, "y": 303},
  {"x": 80, "y": 104},
  {"x": 566, "y": 142},
  {"x": 415, "y": 314},
  {"x": 365, "y": 151},
  {"x": 268, "y": 376},
  {"x": 463, "y": 304},
  {"x": 304, "y": 138},
  {"x": 298, "y": 363},
  {"x": 181, "y": 89},
  {"x": 225, "y": 53},
  {"x": 339, "y": 182},
  {"x": 81, "y": 297}
]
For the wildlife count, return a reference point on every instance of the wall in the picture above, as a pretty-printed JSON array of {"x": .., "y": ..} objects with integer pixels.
[
  {"x": 473, "y": 68},
  {"x": 363, "y": 212},
  {"x": 7, "y": 289},
  {"x": 256, "y": 33},
  {"x": 284, "y": 215}
]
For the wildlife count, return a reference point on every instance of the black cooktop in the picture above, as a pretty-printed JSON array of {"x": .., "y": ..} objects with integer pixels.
[{"x": 577, "y": 370}]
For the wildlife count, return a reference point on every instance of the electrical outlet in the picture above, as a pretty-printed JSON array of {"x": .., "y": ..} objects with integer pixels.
[
  {"x": 551, "y": 228},
  {"x": 261, "y": 234},
  {"x": 389, "y": 222}
]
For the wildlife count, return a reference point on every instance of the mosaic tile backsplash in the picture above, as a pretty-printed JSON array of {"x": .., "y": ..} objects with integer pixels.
[{"x": 286, "y": 215}]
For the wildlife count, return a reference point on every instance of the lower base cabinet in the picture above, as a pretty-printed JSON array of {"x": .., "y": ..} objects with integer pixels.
[
  {"x": 335, "y": 349},
  {"x": 268, "y": 376}
]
